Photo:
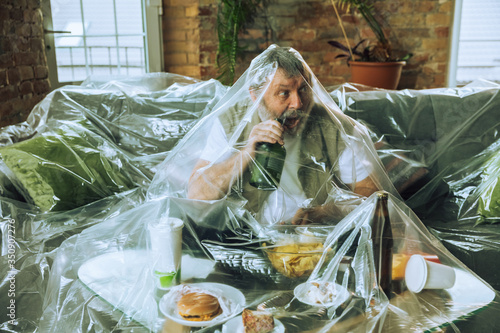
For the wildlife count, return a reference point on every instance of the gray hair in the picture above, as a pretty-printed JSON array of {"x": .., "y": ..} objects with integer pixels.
[{"x": 270, "y": 60}]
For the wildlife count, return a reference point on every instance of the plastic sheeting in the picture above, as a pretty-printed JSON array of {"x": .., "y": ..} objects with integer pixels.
[
  {"x": 440, "y": 144},
  {"x": 330, "y": 160},
  {"x": 118, "y": 269},
  {"x": 89, "y": 269},
  {"x": 129, "y": 125}
]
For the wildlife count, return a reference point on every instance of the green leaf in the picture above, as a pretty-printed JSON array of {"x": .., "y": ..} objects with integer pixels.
[{"x": 232, "y": 18}]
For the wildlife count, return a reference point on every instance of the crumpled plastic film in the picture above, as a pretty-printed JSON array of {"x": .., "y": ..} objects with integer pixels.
[
  {"x": 366, "y": 307},
  {"x": 105, "y": 137},
  {"x": 91, "y": 268},
  {"x": 438, "y": 148},
  {"x": 104, "y": 276},
  {"x": 34, "y": 241},
  {"x": 328, "y": 154}
]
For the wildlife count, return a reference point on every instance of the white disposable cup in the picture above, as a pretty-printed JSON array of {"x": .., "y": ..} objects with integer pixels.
[
  {"x": 165, "y": 237},
  {"x": 422, "y": 274}
]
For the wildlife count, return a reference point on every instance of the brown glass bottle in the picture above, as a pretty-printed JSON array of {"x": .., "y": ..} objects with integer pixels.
[{"x": 382, "y": 243}]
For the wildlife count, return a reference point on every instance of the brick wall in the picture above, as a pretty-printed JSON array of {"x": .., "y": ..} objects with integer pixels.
[
  {"x": 23, "y": 65},
  {"x": 190, "y": 43},
  {"x": 421, "y": 27},
  {"x": 181, "y": 37}
]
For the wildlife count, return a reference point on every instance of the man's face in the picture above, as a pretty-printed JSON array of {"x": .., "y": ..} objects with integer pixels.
[{"x": 287, "y": 98}]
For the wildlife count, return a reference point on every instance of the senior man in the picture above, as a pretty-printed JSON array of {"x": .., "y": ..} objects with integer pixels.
[{"x": 319, "y": 161}]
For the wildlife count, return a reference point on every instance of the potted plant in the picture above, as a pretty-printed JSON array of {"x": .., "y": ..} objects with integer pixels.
[
  {"x": 372, "y": 64},
  {"x": 232, "y": 18}
]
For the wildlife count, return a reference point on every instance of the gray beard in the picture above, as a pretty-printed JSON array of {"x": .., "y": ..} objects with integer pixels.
[{"x": 264, "y": 115}]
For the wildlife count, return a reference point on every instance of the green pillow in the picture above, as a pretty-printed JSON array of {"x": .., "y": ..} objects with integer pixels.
[
  {"x": 489, "y": 192},
  {"x": 64, "y": 169}
]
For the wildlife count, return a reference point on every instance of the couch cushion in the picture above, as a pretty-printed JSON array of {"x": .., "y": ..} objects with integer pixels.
[
  {"x": 64, "y": 168},
  {"x": 440, "y": 126},
  {"x": 404, "y": 171}
]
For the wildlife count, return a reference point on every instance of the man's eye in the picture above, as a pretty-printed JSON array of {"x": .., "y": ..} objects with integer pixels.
[{"x": 284, "y": 93}]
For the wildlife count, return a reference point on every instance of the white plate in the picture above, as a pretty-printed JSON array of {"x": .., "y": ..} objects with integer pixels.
[
  {"x": 235, "y": 325},
  {"x": 122, "y": 279},
  {"x": 232, "y": 299},
  {"x": 341, "y": 294}
]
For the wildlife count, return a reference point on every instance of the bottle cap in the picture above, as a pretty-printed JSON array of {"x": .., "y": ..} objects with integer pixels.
[{"x": 382, "y": 194}]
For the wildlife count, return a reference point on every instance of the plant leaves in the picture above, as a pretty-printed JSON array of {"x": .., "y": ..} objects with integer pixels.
[
  {"x": 232, "y": 18},
  {"x": 338, "y": 45}
]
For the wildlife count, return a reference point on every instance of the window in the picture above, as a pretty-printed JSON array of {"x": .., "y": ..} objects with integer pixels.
[
  {"x": 101, "y": 37},
  {"x": 475, "y": 51}
]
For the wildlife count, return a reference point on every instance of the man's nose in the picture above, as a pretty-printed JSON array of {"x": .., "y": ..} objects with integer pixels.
[{"x": 296, "y": 101}]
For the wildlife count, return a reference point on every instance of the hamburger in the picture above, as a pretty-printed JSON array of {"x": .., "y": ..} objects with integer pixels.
[{"x": 198, "y": 306}]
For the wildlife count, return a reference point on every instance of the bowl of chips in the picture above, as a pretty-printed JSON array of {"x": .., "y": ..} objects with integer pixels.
[{"x": 295, "y": 253}]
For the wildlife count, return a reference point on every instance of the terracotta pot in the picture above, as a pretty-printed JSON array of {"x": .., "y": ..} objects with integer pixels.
[{"x": 377, "y": 74}]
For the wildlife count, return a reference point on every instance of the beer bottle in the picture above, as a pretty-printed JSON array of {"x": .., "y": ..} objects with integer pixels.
[
  {"x": 382, "y": 243},
  {"x": 268, "y": 166}
]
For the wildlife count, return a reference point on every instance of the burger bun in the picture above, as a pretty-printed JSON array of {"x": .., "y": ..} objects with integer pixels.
[{"x": 198, "y": 306}]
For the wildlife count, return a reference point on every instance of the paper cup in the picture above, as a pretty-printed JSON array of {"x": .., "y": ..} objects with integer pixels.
[
  {"x": 165, "y": 238},
  {"x": 422, "y": 274}
]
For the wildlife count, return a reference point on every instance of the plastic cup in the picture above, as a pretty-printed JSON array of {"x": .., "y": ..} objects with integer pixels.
[
  {"x": 422, "y": 274},
  {"x": 165, "y": 237}
]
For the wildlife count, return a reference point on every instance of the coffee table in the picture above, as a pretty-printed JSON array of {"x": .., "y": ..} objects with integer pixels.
[{"x": 122, "y": 279}]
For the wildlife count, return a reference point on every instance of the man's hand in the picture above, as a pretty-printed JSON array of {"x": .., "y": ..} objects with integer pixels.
[
  {"x": 365, "y": 187},
  {"x": 305, "y": 216},
  {"x": 267, "y": 131},
  {"x": 327, "y": 213}
]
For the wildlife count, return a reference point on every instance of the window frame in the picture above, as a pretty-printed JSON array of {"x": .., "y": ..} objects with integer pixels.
[
  {"x": 455, "y": 41},
  {"x": 153, "y": 51}
]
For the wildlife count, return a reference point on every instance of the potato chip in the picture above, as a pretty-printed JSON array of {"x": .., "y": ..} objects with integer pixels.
[{"x": 295, "y": 259}]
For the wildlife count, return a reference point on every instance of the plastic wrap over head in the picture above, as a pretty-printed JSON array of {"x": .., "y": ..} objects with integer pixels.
[{"x": 330, "y": 163}]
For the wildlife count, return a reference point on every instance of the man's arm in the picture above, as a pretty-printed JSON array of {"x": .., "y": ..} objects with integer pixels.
[
  {"x": 365, "y": 187},
  {"x": 211, "y": 181},
  {"x": 330, "y": 211}
]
